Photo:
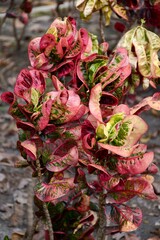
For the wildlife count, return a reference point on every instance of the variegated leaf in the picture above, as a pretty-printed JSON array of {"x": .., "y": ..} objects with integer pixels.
[
  {"x": 134, "y": 164},
  {"x": 54, "y": 190},
  {"x": 61, "y": 163},
  {"x": 129, "y": 219}
]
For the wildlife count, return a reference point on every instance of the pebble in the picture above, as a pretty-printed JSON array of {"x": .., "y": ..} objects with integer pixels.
[{"x": 4, "y": 184}]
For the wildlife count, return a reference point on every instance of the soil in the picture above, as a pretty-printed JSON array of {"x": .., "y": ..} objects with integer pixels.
[{"x": 16, "y": 185}]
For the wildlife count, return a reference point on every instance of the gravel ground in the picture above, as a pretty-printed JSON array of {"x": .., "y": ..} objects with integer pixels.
[{"x": 16, "y": 185}]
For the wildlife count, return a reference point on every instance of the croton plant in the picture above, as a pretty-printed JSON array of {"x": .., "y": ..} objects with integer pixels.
[{"x": 78, "y": 135}]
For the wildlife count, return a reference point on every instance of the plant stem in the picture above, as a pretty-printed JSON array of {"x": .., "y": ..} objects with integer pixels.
[
  {"x": 5, "y": 17},
  {"x": 102, "y": 218},
  {"x": 45, "y": 209},
  {"x": 101, "y": 25},
  {"x": 15, "y": 34},
  {"x": 32, "y": 231}
]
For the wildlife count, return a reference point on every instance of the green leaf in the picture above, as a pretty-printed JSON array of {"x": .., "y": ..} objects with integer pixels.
[
  {"x": 109, "y": 132},
  {"x": 122, "y": 134},
  {"x": 6, "y": 238},
  {"x": 34, "y": 97}
]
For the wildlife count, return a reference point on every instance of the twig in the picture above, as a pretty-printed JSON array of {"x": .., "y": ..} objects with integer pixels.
[
  {"x": 102, "y": 218},
  {"x": 15, "y": 34},
  {"x": 5, "y": 17},
  {"x": 46, "y": 212},
  {"x": 101, "y": 25}
]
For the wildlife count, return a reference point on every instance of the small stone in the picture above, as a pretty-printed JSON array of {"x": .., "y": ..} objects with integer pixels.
[
  {"x": 4, "y": 185},
  {"x": 157, "y": 223},
  {"x": 6, "y": 211},
  {"x": 157, "y": 187},
  {"x": 24, "y": 183},
  {"x": 20, "y": 197}
]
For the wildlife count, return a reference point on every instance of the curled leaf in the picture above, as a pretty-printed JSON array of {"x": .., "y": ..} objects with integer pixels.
[{"x": 54, "y": 190}]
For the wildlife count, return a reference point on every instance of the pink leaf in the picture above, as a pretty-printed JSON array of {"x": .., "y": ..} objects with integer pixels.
[
  {"x": 124, "y": 151},
  {"x": 61, "y": 163},
  {"x": 54, "y": 190},
  {"x": 38, "y": 81},
  {"x": 129, "y": 219},
  {"x": 30, "y": 149},
  {"x": 135, "y": 186},
  {"x": 64, "y": 68},
  {"x": 42, "y": 62},
  {"x": 47, "y": 43},
  {"x": 23, "y": 85},
  {"x": 81, "y": 110},
  {"x": 134, "y": 165},
  {"x": 23, "y": 18},
  {"x": 34, "y": 50},
  {"x": 44, "y": 119},
  {"x": 108, "y": 182},
  {"x": 122, "y": 108},
  {"x": 138, "y": 129},
  {"x": 92, "y": 167},
  {"x": 88, "y": 142},
  {"x": 94, "y": 102},
  {"x": 104, "y": 47},
  {"x": 80, "y": 73},
  {"x": 57, "y": 84},
  {"x": 26, "y": 126},
  {"x": 149, "y": 102},
  {"x": 62, "y": 47},
  {"x": 152, "y": 169}
]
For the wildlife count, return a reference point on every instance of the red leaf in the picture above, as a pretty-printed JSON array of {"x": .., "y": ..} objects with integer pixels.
[
  {"x": 108, "y": 99},
  {"x": 26, "y": 126},
  {"x": 64, "y": 68},
  {"x": 129, "y": 219},
  {"x": 135, "y": 186},
  {"x": 26, "y": 6},
  {"x": 92, "y": 167},
  {"x": 38, "y": 81},
  {"x": 108, "y": 182},
  {"x": 23, "y": 85},
  {"x": 54, "y": 190},
  {"x": 46, "y": 110},
  {"x": 61, "y": 163},
  {"x": 134, "y": 165},
  {"x": 47, "y": 43},
  {"x": 8, "y": 97},
  {"x": 120, "y": 27}
]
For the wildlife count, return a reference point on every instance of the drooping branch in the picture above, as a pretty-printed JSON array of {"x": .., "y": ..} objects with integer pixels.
[{"x": 45, "y": 209}]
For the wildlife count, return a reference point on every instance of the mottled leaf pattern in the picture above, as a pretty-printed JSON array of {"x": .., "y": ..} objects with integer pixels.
[
  {"x": 129, "y": 219},
  {"x": 52, "y": 191}
]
